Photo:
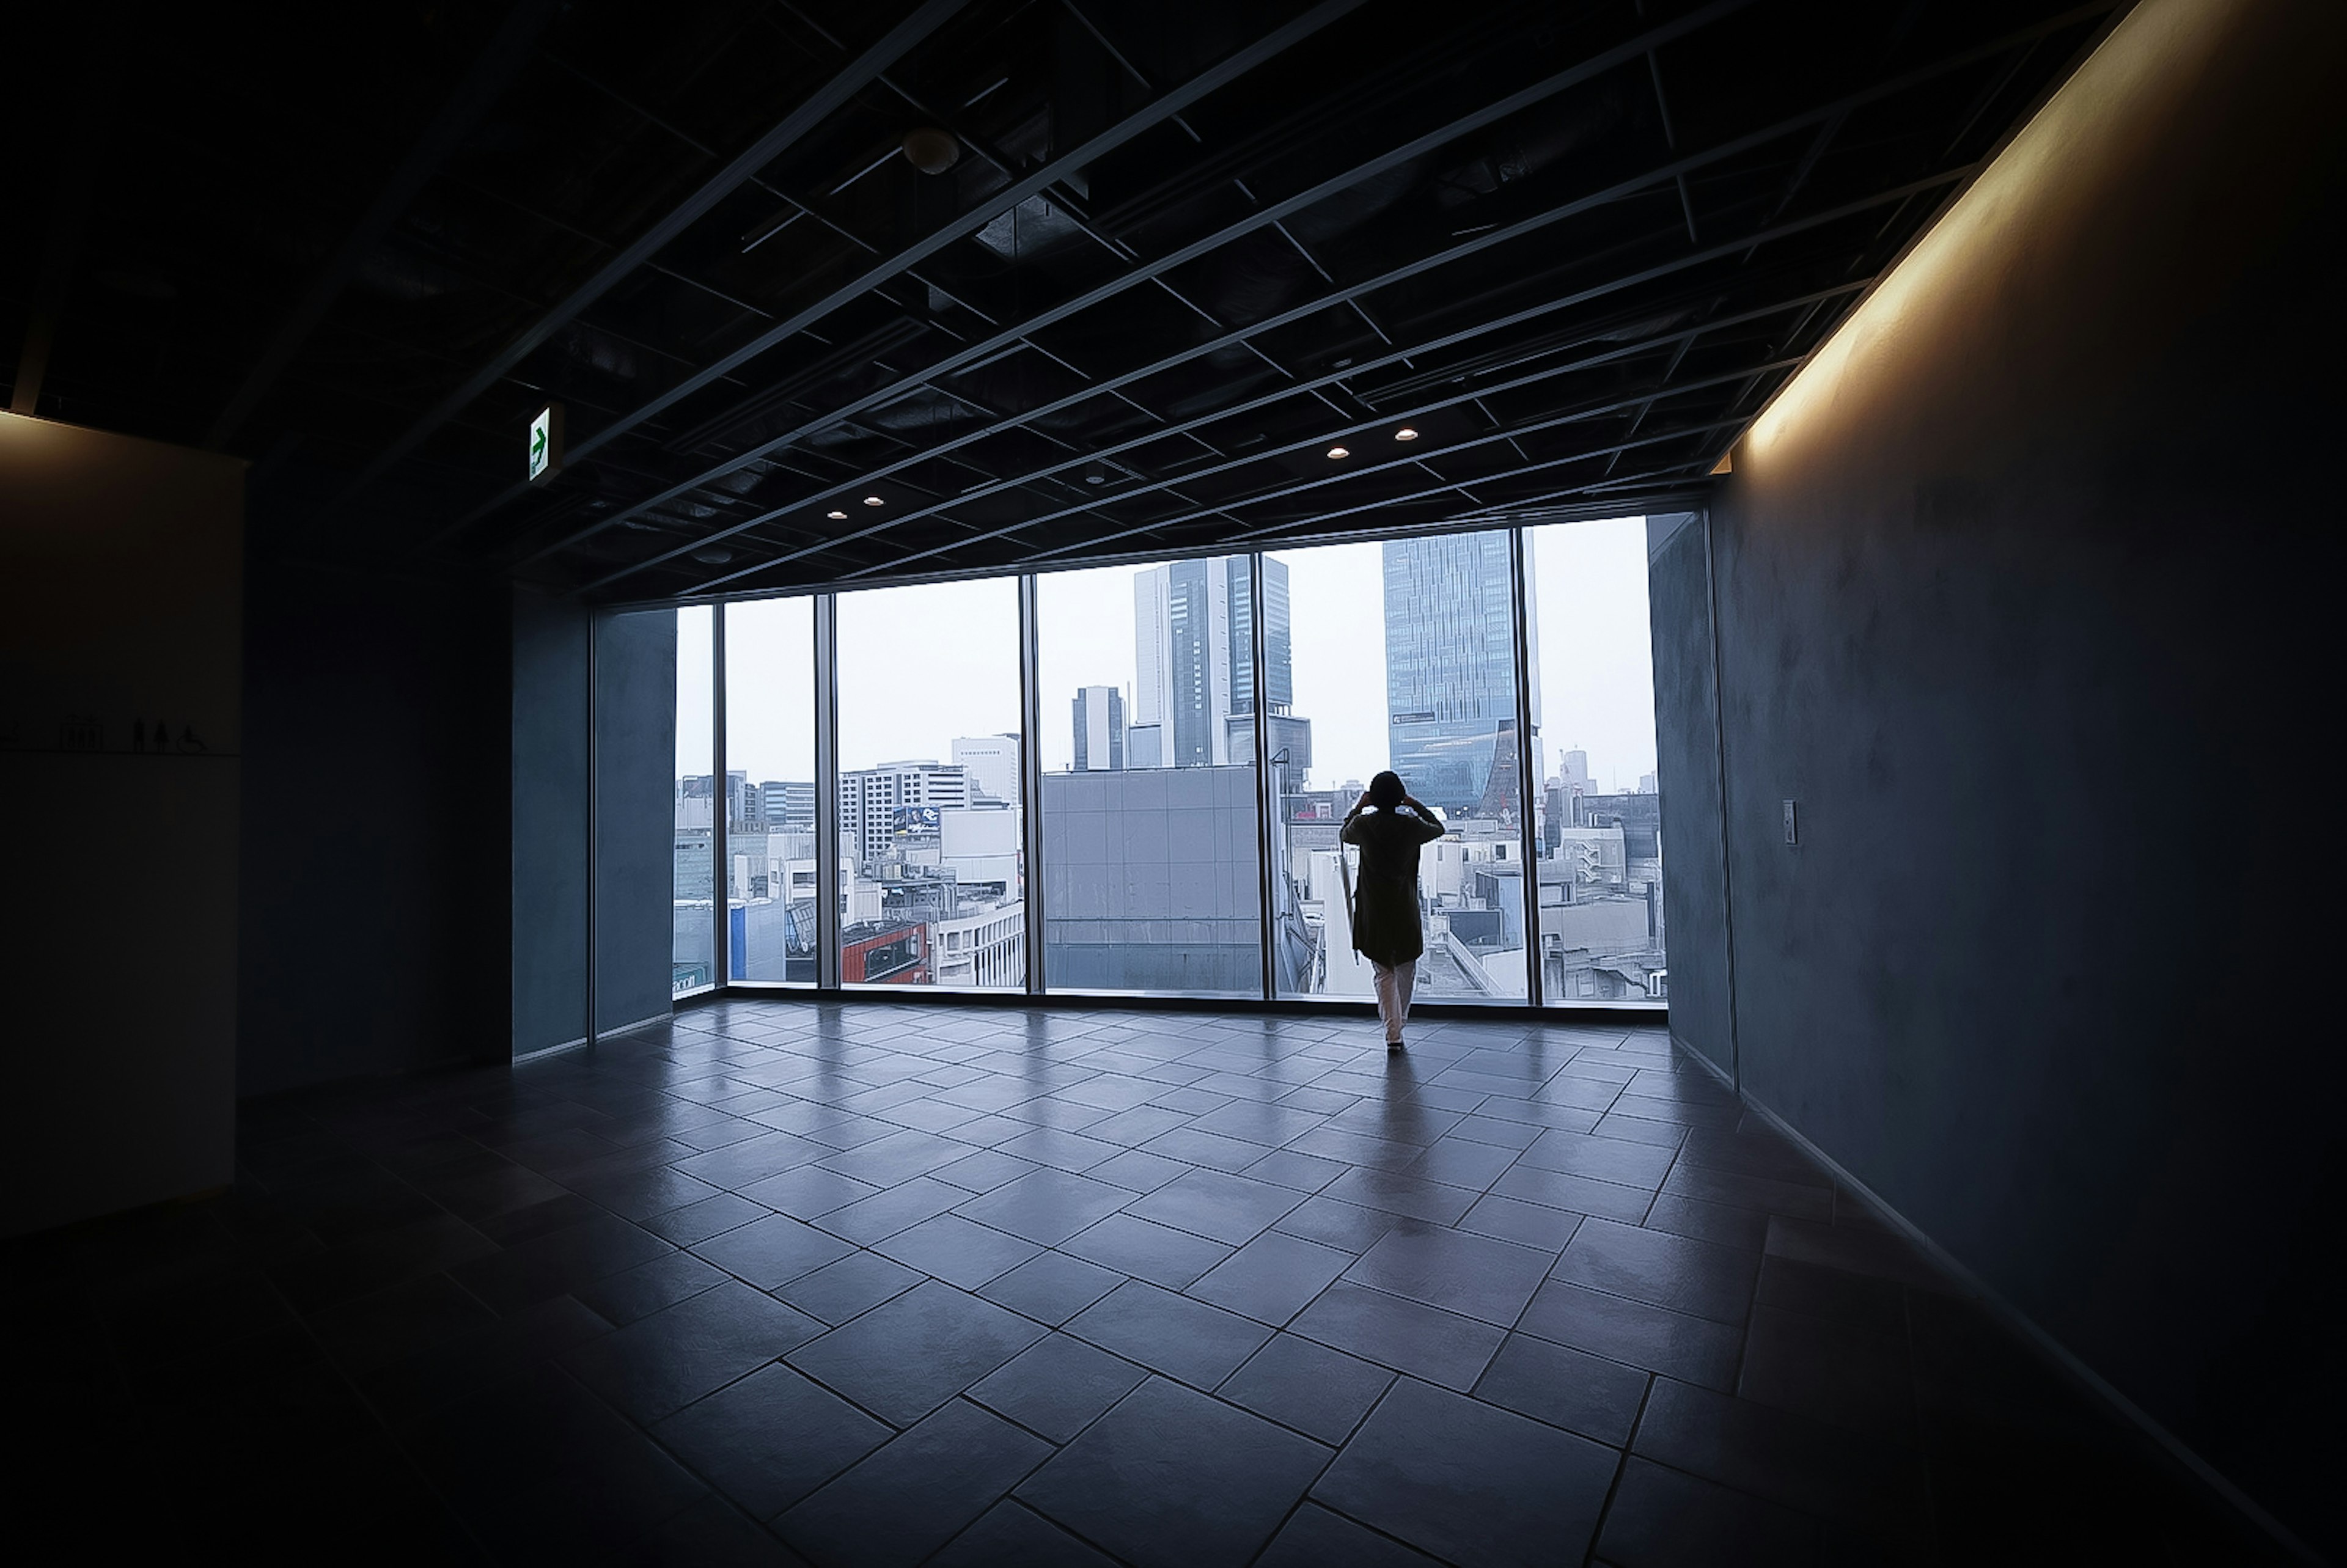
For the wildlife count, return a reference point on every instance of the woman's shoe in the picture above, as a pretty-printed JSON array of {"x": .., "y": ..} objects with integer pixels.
[{"x": 1393, "y": 1045}]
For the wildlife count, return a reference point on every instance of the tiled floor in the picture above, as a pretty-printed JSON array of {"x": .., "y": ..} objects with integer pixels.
[{"x": 884, "y": 1284}]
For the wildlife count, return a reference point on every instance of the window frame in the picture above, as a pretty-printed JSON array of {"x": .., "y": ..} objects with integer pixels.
[{"x": 829, "y": 887}]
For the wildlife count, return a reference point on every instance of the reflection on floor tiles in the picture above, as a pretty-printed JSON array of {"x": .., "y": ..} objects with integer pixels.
[{"x": 781, "y": 1282}]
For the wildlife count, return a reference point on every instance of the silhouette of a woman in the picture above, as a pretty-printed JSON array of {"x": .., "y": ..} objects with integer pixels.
[{"x": 1389, "y": 827}]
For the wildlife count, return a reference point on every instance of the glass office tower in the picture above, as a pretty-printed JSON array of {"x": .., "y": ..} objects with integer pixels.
[{"x": 1450, "y": 684}]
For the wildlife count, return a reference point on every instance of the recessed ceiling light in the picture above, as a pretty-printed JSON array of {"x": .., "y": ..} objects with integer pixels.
[
  {"x": 837, "y": 516},
  {"x": 1405, "y": 433},
  {"x": 1338, "y": 452},
  {"x": 874, "y": 501},
  {"x": 712, "y": 555}
]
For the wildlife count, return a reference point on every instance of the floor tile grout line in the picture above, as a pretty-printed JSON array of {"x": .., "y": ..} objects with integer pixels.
[{"x": 1621, "y": 1469}]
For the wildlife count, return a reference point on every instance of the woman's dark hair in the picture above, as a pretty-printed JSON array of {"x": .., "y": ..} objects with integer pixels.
[{"x": 1386, "y": 790}]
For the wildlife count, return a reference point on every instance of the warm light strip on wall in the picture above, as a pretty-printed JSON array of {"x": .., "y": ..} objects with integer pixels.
[{"x": 1983, "y": 235}]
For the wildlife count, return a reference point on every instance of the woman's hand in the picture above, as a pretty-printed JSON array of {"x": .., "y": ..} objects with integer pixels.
[{"x": 1362, "y": 803}]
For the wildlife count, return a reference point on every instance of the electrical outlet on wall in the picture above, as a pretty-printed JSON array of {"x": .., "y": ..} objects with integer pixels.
[{"x": 1792, "y": 831}]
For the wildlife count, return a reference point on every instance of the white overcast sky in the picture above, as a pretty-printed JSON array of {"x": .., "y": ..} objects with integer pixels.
[{"x": 919, "y": 666}]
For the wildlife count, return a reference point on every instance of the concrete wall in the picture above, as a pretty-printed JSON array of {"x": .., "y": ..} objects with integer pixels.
[
  {"x": 635, "y": 815},
  {"x": 121, "y": 559},
  {"x": 2047, "y": 533},
  {"x": 1688, "y": 777},
  {"x": 372, "y": 918},
  {"x": 1150, "y": 881},
  {"x": 630, "y": 737},
  {"x": 548, "y": 747}
]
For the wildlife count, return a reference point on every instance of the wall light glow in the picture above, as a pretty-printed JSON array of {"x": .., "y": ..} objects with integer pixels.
[{"x": 1987, "y": 235}]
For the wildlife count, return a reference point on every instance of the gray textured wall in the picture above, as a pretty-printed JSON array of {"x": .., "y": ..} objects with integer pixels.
[
  {"x": 548, "y": 870},
  {"x": 635, "y": 815},
  {"x": 2014, "y": 585},
  {"x": 1686, "y": 743}
]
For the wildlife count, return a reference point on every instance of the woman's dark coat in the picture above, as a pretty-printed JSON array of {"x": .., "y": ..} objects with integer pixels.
[{"x": 1385, "y": 904}]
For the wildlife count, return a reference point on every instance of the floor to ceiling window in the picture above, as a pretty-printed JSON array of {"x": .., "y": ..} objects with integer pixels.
[
  {"x": 1404, "y": 655},
  {"x": 695, "y": 932},
  {"x": 1162, "y": 823},
  {"x": 1598, "y": 813},
  {"x": 1152, "y": 873},
  {"x": 771, "y": 882},
  {"x": 933, "y": 884}
]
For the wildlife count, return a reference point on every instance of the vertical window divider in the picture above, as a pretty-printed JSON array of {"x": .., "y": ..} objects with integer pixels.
[
  {"x": 1030, "y": 783},
  {"x": 720, "y": 880},
  {"x": 827, "y": 889},
  {"x": 1529, "y": 883},
  {"x": 594, "y": 811},
  {"x": 1267, "y": 797}
]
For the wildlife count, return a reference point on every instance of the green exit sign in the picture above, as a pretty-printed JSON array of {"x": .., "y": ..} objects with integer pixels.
[{"x": 546, "y": 443}]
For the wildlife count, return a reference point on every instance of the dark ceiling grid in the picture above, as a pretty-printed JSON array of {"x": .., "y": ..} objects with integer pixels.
[
  {"x": 1050, "y": 175},
  {"x": 1833, "y": 111},
  {"x": 1677, "y": 340},
  {"x": 802, "y": 119},
  {"x": 508, "y": 52},
  {"x": 966, "y": 358},
  {"x": 1184, "y": 251},
  {"x": 1254, "y": 222}
]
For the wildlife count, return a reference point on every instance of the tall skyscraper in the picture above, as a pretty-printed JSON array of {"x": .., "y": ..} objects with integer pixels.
[
  {"x": 1099, "y": 729},
  {"x": 1194, "y": 654},
  {"x": 1451, "y": 664}
]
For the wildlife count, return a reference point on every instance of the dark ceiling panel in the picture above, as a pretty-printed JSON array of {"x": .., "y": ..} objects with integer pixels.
[{"x": 1165, "y": 260}]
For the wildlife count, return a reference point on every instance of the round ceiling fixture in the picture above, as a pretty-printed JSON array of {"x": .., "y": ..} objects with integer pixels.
[
  {"x": 1095, "y": 475},
  {"x": 836, "y": 517},
  {"x": 874, "y": 501},
  {"x": 1338, "y": 452},
  {"x": 712, "y": 555},
  {"x": 931, "y": 150},
  {"x": 1405, "y": 433}
]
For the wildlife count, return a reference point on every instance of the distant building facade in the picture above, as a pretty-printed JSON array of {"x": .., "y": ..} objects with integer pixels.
[
  {"x": 877, "y": 805},
  {"x": 1193, "y": 656},
  {"x": 1150, "y": 881},
  {"x": 992, "y": 765},
  {"x": 1451, "y": 664},
  {"x": 788, "y": 803},
  {"x": 1099, "y": 729}
]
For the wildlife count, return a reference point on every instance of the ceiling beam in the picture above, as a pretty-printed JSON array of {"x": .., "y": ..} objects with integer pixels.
[{"x": 787, "y": 132}]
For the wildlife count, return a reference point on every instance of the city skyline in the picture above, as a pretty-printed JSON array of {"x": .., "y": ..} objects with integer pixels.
[{"x": 1595, "y": 669}]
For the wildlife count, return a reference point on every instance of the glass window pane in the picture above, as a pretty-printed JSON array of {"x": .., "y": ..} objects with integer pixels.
[
  {"x": 770, "y": 860},
  {"x": 933, "y": 885},
  {"x": 1404, "y": 658},
  {"x": 1151, "y": 865},
  {"x": 1599, "y": 814},
  {"x": 694, "y": 942}
]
